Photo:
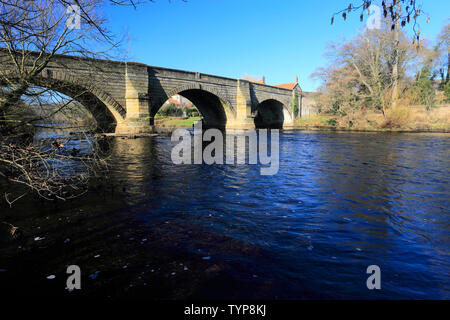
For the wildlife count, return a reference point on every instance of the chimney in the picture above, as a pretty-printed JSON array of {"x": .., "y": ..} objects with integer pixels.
[
  {"x": 264, "y": 79},
  {"x": 296, "y": 79}
]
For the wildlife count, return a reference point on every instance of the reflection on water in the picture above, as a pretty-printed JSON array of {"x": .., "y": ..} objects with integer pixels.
[{"x": 340, "y": 203}]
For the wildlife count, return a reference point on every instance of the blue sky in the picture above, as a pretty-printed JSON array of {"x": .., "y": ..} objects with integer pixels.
[{"x": 233, "y": 38}]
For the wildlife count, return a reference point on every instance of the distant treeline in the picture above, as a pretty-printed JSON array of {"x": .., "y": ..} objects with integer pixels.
[{"x": 171, "y": 110}]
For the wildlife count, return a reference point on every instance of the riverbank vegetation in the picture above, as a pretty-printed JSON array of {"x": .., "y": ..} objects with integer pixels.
[
  {"x": 382, "y": 80},
  {"x": 412, "y": 118},
  {"x": 171, "y": 110}
]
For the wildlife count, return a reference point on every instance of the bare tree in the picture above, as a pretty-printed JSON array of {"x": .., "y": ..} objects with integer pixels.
[
  {"x": 360, "y": 74},
  {"x": 443, "y": 47},
  {"x": 32, "y": 34},
  {"x": 401, "y": 13}
]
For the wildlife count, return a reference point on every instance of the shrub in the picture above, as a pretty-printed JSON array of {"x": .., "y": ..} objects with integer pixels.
[
  {"x": 396, "y": 117},
  {"x": 294, "y": 104},
  {"x": 447, "y": 91},
  {"x": 422, "y": 91},
  {"x": 170, "y": 110}
]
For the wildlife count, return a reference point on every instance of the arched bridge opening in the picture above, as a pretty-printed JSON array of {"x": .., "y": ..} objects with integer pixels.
[
  {"x": 211, "y": 107},
  {"x": 106, "y": 112},
  {"x": 270, "y": 115}
]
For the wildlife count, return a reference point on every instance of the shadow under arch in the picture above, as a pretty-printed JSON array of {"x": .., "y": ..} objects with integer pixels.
[
  {"x": 106, "y": 111},
  {"x": 210, "y": 106},
  {"x": 269, "y": 115}
]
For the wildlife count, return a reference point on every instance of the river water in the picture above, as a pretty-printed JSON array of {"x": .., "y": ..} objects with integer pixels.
[{"x": 339, "y": 203}]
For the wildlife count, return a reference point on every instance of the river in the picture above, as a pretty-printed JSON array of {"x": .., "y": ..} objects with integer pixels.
[{"x": 339, "y": 203}]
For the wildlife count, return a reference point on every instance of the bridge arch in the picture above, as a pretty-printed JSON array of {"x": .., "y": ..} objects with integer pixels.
[
  {"x": 273, "y": 114},
  {"x": 214, "y": 108},
  {"x": 105, "y": 109}
]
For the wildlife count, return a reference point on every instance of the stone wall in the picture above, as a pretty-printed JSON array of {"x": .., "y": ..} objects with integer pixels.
[{"x": 308, "y": 105}]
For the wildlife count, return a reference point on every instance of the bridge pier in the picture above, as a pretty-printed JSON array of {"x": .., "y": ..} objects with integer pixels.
[
  {"x": 241, "y": 124},
  {"x": 134, "y": 127},
  {"x": 138, "y": 119},
  {"x": 137, "y": 101},
  {"x": 244, "y": 119}
]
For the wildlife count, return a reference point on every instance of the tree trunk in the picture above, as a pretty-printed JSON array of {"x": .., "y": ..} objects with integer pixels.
[
  {"x": 448, "y": 68},
  {"x": 396, "y": 58}
]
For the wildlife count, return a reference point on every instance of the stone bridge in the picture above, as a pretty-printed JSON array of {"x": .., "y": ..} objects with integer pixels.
[{"x": 124, "y": 97}]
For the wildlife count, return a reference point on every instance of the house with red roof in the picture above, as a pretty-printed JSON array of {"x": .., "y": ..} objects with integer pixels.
[
  {"x": 179, "y": 101},
  {"x": 306, "y": 100},
  {"x": 290, "y": 86},
  {"x": 296, "y": 90}
]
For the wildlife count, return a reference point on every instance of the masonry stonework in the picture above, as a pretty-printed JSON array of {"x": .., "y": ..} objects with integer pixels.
[{"x": 130, "y": 94}]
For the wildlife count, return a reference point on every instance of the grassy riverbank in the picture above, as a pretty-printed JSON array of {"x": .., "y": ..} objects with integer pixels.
[
  {"x": 412, "y": 119},
  {"x": 416, "y": 118},
  {"x": 175, "y": 122}
]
